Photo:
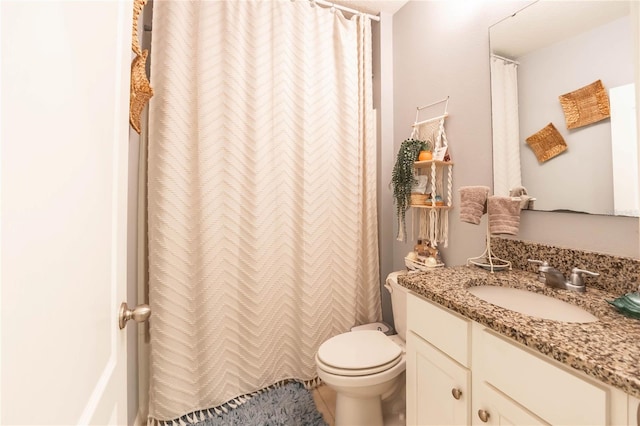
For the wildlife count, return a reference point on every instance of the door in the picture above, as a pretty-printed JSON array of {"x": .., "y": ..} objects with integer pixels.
[{"x": 64, "y": 146}]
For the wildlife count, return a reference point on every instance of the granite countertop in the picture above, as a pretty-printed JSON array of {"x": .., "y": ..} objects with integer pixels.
[{"x": 607, "y": 350}]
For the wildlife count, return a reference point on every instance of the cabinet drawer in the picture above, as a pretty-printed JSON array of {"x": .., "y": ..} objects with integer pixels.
[
  {"x": 546, "y": 389},
  {"x": 441, "y": 327}
]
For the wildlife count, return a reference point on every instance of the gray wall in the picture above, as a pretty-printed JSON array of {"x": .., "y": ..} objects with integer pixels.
[
  {"x": 383, "y": 102},
  {"x": 442, "y": 49}
]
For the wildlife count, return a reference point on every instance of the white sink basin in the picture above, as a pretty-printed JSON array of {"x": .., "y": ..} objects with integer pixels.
[{"x": 532, "y": 304}]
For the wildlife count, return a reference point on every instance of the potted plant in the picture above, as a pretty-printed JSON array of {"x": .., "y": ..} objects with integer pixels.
[{"x": 403, "y": 179}]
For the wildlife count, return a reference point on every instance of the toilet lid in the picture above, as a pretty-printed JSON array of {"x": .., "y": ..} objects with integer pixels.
[{"x": 359, "y": 353}]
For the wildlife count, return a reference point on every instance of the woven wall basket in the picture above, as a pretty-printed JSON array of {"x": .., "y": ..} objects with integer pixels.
[
  {"x": 140, "y": 89},
  {"x": 546, "y": 143},
  {"x": 587, "y": 105}
]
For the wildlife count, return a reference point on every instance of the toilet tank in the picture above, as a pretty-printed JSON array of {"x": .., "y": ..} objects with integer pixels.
[{"x": 398, "y": 303}]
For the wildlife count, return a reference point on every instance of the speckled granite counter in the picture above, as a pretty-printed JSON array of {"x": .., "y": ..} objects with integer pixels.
[{"x": 607, "y": 350}]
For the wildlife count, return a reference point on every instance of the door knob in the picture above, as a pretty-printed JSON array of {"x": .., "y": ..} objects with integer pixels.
[
  {"x": 484, "y": 415},
  {"x": 457, "y": 393},
  {"x": 139, "y": 314}
]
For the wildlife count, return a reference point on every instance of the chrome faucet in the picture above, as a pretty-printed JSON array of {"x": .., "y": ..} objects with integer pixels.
[
  {"x": 552, "y": 277},
  {"x": 541, "y": 277},
  {"x": 555, "y": 279}
]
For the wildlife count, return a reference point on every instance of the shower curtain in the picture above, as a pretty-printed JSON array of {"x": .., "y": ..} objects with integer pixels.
[
  {"x": 506, "y": 131},
  {"x": 262, "y": 196}
]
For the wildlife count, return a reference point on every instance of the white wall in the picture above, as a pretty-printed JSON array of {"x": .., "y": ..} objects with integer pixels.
[{"x": 441, "y": 48}]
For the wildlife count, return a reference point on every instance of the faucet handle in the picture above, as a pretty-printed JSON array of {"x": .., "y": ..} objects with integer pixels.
[
  {"x": 576, "y": 278},
  {"x": 541, "y": 276}
]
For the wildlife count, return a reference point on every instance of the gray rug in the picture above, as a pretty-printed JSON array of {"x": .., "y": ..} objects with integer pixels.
[{"x": 288, "y": 405}]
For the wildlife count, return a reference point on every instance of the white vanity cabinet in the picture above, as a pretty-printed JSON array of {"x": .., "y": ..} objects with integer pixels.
[
  {"x": 497, "y": 381},
  {"x": 438, "y": 374}
]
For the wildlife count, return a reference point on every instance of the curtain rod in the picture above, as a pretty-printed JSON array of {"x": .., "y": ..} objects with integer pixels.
[
  {"x": 344, "y": 8},
  {"x": 505, "y": 59},
  {"x": 321, "y": 3}
]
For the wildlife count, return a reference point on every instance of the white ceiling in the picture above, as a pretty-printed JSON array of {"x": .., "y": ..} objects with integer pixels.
[{"x": 373, "y": 7}]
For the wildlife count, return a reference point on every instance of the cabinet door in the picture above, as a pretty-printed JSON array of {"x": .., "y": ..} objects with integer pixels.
[
  {"x": 545, "y": 387},
  {"x": 438, "y": 388},
  {"x": 492, "y": 407}
]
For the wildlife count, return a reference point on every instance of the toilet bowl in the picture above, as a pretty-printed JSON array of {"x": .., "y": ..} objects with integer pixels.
[{"x": 366, "y": 367}]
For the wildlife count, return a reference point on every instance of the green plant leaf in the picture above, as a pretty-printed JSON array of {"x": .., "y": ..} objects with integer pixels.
[{"x": 403, "y": 178}]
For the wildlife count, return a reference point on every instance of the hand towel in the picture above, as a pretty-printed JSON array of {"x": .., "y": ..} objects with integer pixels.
[
  {"x": 504, "y": 215},
  {"x": 473, "y": 200}
]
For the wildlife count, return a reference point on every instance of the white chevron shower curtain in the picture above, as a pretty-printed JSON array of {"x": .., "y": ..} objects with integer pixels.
[
  {"x": 506, "y": 126},
  {"x": 262, "y": 208}
]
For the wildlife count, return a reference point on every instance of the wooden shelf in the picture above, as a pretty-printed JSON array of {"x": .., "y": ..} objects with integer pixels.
[
  {"x": 433, "y": 218},
  {"x": 427, "y": 206},
  {"x": 428, "y": 163}
]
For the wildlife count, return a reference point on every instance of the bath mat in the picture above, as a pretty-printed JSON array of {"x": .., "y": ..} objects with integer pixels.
[{"x": 290, "y": 405}]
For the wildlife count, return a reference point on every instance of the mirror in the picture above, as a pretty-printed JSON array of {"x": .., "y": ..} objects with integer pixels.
[{"x": 550, "y": 49}]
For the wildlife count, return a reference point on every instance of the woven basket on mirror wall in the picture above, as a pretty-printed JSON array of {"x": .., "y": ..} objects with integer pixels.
[
  {"x": 584, "y": 106},
  {"x": 546, "y": 143}
]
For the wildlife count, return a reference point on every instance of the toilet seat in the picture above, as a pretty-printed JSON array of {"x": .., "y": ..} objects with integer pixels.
[
  {"x": 358, "y": 353},
  {"x": 357, "y": 371}
]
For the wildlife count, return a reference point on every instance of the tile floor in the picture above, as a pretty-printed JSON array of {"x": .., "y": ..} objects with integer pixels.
[{"x": 325, "y": 399}]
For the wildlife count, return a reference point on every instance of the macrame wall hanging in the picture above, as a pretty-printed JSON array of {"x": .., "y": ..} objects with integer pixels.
[
  {"x": 141, "y": 90},
  {"x": 434, "y": 222}
]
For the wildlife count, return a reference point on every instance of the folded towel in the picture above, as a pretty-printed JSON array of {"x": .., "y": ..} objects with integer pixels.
[
  {"x": 504, "y": 215},
  {"x": 473, "y": 200}
]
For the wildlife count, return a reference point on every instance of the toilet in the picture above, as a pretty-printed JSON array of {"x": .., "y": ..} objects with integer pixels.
[{"x": 365, "y": 368}]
